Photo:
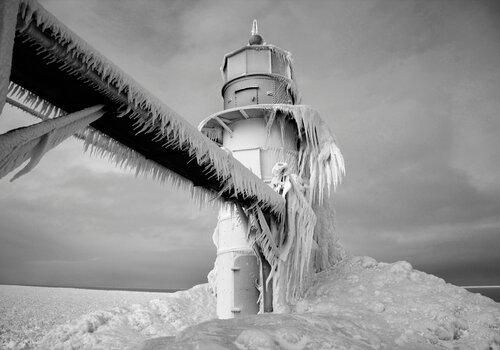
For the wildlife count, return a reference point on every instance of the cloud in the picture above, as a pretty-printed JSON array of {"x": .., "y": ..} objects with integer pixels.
[
  {"x": 77, "y": 220},
  {"x": 409, "y": 88}
]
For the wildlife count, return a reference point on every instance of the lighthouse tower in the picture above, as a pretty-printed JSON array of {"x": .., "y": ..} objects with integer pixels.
[{"x": 255, "y": 78}]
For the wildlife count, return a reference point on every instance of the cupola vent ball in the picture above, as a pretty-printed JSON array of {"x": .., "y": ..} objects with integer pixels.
[{"x": 256, "y": 39}]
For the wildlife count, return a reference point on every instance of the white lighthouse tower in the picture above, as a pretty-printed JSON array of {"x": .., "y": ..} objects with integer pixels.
[{"x": 255, "y": 78}]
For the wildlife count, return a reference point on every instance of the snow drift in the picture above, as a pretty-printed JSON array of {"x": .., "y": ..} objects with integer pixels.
[
  {"x": 358, "y": 304},
  {"x": 127, "y": 327}
]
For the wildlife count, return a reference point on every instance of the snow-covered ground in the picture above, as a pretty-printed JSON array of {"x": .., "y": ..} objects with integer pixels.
[
  {"x": 27, "y": 314},
  {"x": 360, "y": 304}
]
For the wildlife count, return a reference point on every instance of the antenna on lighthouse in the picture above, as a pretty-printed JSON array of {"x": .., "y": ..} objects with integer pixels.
[
  {"x": 255, "y": 28},
  {"x": 255, "y": 39}
]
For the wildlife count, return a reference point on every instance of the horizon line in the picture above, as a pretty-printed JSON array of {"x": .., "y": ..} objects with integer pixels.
[
  {"x": 131, "y": 289},
  {"x": 160, "y": 289}
]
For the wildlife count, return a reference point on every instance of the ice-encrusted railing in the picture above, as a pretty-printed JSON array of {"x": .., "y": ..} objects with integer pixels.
[{"x": 150, "y": 115}]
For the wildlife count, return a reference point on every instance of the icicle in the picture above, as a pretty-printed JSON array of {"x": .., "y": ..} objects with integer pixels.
[
  {"x": 317, "y": 149},
  {"x": 320, "y": 159},
  {"x": 35, "y": 140},
  {"x": 153, "y": 116},
  {"x": 214, "y": 134},
  {"x": 295, "y": 251},
  {"x": 8, "y": 19},
  {"x": 320, "y": 163},
  {"x": 269, "y": 124},
  {"x": 29, "y": 102}
]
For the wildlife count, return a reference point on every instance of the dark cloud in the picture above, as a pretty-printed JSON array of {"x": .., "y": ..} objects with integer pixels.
[{"x": 411, "y": 89}]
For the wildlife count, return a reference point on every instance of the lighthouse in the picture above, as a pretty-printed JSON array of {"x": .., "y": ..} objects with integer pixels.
[
  {"x": 256, "y": 77},
  {"x": 263, "y": 263}
]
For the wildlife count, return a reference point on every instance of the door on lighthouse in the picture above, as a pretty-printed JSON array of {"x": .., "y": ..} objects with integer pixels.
[
  {"x": 245, "y": 288},
  {"x": 246, "y": 96}
]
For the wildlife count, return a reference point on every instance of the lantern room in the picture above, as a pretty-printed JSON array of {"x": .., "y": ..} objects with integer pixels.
[
  {"x": 257, "y": 73},
  {"x": 255, "y": 59}
]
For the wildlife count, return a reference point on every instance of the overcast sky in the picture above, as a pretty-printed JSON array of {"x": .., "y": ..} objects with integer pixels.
[{"x": 411, "y": 90}]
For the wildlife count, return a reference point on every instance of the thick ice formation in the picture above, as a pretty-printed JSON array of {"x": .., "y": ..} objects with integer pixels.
[
  {"x": 420, "y": 308},
  {"x": 293, "y": 265},
  {"x": 8, "y": 19},
  {"x": 360, "y": 304},
  {"x": 320, "y": 168},
  {"x": 27, "y": 313},
  {"x": 33, "y": 141},
  {"x": 127, "y": 327},
  {"x": 320, "y": 160},
  {"x": 75, "y": 57}
]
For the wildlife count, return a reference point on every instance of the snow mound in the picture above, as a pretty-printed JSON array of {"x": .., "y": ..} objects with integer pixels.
[
  {"x": 421, "y": 308},
  {"x": 28, "y": 313},
  {"x": 127, "y": 327},
  {"x": 360, "y": 304},
  {"x": 278, "y": 331}
]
